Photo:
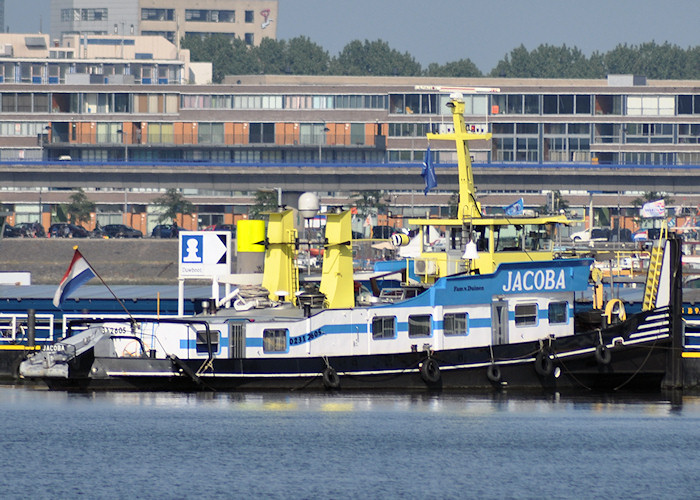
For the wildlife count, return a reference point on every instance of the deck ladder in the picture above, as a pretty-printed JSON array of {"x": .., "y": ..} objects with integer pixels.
[{"x": 654, "y": 272}]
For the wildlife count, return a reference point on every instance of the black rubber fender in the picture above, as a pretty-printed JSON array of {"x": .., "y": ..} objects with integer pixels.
[
  {"x": 430, "y": 371},
  {"x": 602, "y": 354},
  {"x": 331, "y": 380},
  {"x": 493, "y": 373},
  {"x": 543, "y": 364}
]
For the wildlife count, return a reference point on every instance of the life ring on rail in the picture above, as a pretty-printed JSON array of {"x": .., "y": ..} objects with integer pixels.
[
  {"x": 493, "y": 373},
  {"x": 543, "y": 364},
  {"x": 331, "y": 380},
  {"x": 615, "y": 312},
  {"x": 602, "y": 354},
  {"x": 430, "y": 371},
  {"x": 131, "y": 350}
]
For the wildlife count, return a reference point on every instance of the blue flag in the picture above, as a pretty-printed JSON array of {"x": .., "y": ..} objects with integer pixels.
[
  {"x": 515, "y": 208},
  {"x": 428, "y": 172}
]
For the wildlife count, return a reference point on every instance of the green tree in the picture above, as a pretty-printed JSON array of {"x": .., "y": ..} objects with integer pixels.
[
  {"x": 555, "y": 204},
  {"x": 80, "y": 208},
  {"x": 369, "y": 202},
  {"x": 271, "y": 56},
  {"x": 464, "y": 68},
  {"x": 171, "y": 204},
  {"x": 305, "y": 57},
  {"x": 546, "y": 61},
  {"x": 265, "y": 201},
  {"x": 374, "y": 58},
  {"x": 228, "y": 57},
  {"x": 652, "y": 196}
]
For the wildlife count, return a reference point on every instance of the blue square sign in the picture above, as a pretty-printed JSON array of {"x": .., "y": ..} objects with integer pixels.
[{"x": 192, "y": 249}]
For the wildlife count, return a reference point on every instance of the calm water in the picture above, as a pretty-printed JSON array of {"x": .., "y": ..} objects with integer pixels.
[{"x": 134, "y": 445}]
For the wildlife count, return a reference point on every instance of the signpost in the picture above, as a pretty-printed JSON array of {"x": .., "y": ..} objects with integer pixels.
[{"x": 202, "y": 255}]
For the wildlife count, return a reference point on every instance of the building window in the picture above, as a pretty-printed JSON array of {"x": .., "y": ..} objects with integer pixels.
[
  {"x": 558, "y": 312},
  {"x": 525, "y": 314},
  {"x": 383, "y": 327},
  {"x": 455, "y": 324},
  {"x": 650, "y": 105},
  {"x": 249, "y": 39},
  {"x": 275, "y": 340},
  {"x": 210, "y": 133},
  {"x": 157, "y": 14},
  {"x": 70, "y": 15},
  {"x": 261, "y": 133},
  {"x": 419, "y": 325},
  {"x": 197, "y": 15},
  {"x": 689, "y": 104},
  {"x": 205, "y": 337},
  {"x": 249, "y": 16}
]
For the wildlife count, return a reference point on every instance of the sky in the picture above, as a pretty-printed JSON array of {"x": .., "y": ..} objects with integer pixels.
[{"x": 441, "y": 31}]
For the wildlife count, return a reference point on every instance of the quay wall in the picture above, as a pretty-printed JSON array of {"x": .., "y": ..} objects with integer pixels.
[{"x": 119, "y": 261}]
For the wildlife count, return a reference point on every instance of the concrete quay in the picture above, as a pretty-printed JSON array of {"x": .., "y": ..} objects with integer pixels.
[{"x": 118, "y": 261}]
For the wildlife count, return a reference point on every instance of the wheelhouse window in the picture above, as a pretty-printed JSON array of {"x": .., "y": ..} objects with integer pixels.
[
  {"x": 525, "y": 314},
  {"x": 275, "y": 339},
  {"x": 206, "y": 337},
  {"x": 454, "y": 324},
  {"x": 419, "y": 325},
  {"x": 383, "y": 327},
  {"x": 558, "y": 312}
]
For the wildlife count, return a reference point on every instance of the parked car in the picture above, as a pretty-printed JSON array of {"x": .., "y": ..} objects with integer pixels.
[
  {"x": 32, "y": 229},
  {"x": 12, "y": 232},
  {"x": 164, "y": 231},
  {"x": 66, "y": 230},
  {"x": 98, "y": 232},
  {"x": 223, "y": 227},
  {"x": 591, "y": 234},
  {"x": 121, "y": 231}
]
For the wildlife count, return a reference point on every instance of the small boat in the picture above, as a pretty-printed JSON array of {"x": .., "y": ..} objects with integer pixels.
[{"x": 491, "y": 308}]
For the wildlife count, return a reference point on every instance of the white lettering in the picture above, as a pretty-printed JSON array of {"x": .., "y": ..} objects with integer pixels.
[
  {"x": 539, "y": 279},
  {"x": 509, "y": 284},
  {"x": 561, "y": 282},
  {"x": 549, "y": 282},
  {"x": 535, "y": 280},
  {"x": 518, "y": 283}
]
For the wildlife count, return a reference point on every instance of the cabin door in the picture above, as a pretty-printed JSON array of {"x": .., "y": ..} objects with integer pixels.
[
  {"x": 499, "y": 322},
  {"x": 236, "y": 335}
]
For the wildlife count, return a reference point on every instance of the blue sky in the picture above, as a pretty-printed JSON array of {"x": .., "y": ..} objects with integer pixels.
[{"x": 448, "y": 30}]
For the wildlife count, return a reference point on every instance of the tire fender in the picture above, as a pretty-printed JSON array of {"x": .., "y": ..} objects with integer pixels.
[
  {"x": 331, "y": 380},
  {"x": 430, "y": 371},
  {"x": 543, "y": 364},
  {"x": 493, "y": 373}
]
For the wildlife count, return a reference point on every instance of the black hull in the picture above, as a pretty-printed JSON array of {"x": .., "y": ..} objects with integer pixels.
[
  {"x": 564, "y": 364},
  {"x": 10, "y": 361}
]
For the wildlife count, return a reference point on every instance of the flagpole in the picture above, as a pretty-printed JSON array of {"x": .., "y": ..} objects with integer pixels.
[{"x": 133, "y": 321}]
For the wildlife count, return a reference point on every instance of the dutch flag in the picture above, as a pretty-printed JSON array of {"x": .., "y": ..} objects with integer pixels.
[{"x": 79, "y": 272}]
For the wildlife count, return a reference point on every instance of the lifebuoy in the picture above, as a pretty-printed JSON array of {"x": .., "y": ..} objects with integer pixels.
[
  {"x": 602, "y": 354},
  {"x": 430, "y": 371},
  {"x": 331, "y": 380},
  {"x": 493, "y": 373},
  {"x": 543, "y": 364},
  {"x": 615, "y": 311}
]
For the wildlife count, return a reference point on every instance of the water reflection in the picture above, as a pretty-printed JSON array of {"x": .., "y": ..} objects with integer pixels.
[{"x": 446, "y": 403}]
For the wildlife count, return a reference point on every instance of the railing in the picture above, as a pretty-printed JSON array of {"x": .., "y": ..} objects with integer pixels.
[
  {"x": 191, "y": 139},
  {"x": 87, "y": 318},
  {"x": 14, "y": 328}
]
